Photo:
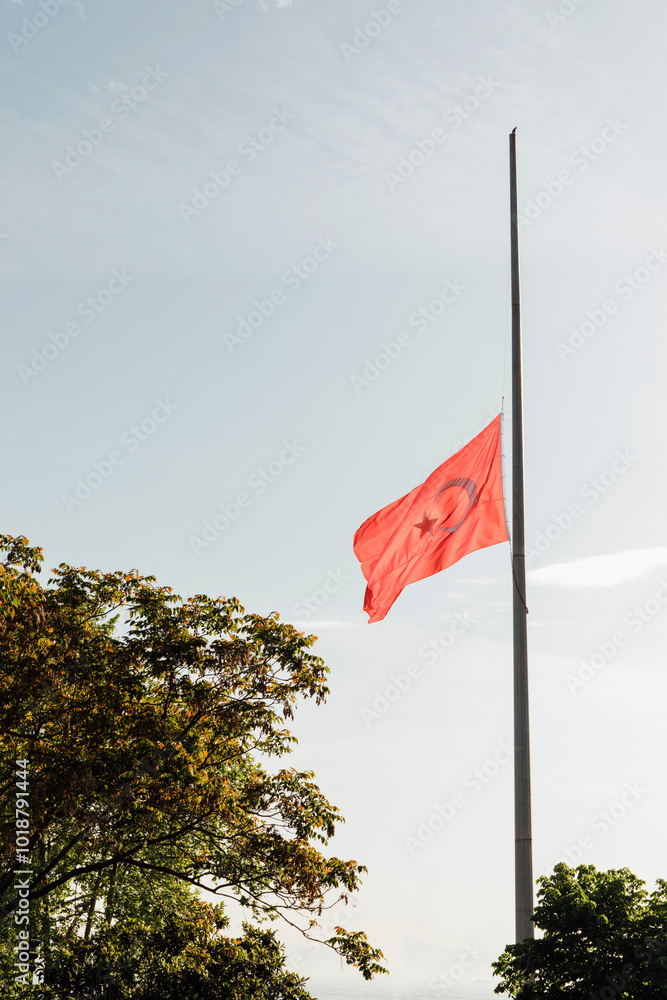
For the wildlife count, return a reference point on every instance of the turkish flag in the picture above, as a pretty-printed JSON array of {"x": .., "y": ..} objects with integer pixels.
[{"x": 458, "y": 509}]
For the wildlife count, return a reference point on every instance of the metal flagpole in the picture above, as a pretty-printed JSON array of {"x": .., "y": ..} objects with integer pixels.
[{"x": 523, "y": 848}]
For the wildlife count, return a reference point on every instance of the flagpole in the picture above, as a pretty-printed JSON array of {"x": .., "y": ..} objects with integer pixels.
[{"x": 523, "y": 849}]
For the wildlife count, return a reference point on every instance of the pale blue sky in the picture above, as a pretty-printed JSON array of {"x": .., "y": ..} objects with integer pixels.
[{"x": 340, "y": 123}]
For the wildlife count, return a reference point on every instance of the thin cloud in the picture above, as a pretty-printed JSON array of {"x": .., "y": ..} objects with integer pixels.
[{"x": 600, "y": 571}]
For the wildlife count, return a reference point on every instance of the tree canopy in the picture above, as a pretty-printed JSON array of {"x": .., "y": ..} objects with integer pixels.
[
  {"x": 143, "y": 718},
  {"x": 604, "y": 936}
]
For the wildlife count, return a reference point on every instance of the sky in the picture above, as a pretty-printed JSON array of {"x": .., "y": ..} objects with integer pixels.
[{"x": 220, "y": 222}]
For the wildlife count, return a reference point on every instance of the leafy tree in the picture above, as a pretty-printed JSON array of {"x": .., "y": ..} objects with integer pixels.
[
  {"x": 175, "y": 955},
  {"x": 604, "y": 937},
  {"x": 167, "y": 956},
  {"x": 143, "y": 717}
]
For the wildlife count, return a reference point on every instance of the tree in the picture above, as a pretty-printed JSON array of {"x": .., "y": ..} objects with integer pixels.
[
  {"x": 175, "y": 955},
  {"x": 141, "y": 717},
  {"x": 604, "y": 937},
  {"x": 168, "y": 954}
]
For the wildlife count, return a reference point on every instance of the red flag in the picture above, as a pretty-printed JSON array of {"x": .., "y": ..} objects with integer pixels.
[{"x": 458, "y": 509}]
